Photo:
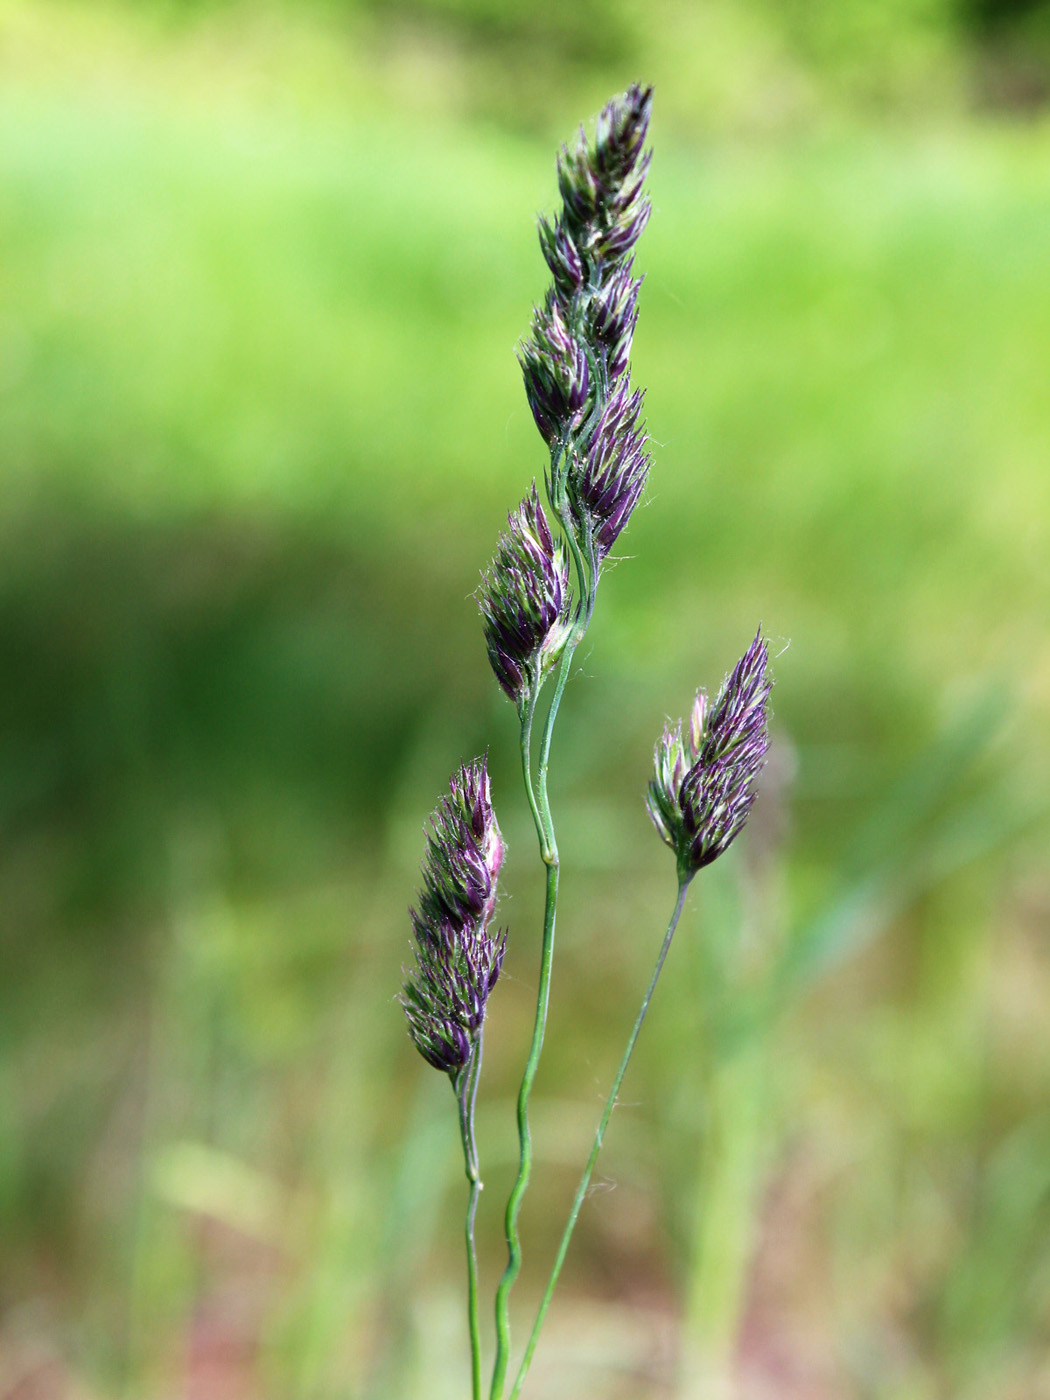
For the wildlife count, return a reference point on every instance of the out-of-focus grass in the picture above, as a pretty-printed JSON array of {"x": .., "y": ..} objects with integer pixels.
[{"x": 260, "y": 424}]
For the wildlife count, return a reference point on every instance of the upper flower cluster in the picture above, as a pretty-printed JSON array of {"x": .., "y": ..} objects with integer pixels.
[
  {"x": 703, "y": 787},
  {"x": 457, "y": 960},
  {"x": 575, "y": 361},
  {"x": 575, "y": 364},
  {"x": 603, "y": 208}
]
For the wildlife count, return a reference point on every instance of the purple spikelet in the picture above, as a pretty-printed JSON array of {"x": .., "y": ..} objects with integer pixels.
[
  {"x": 555, "y": 371},
  {"x": 612, "y": 475},
  {"x": 457, "y": 960},
  {"x": 703, "y": 786},
  {"x": 524, "y": 599},
  {"x": 604, "y": 210},
  {"x": 613, "y": 315}
]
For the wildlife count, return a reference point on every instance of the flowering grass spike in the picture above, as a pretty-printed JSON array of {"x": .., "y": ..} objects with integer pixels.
[
  {"x": 703, "y": 788},
  {"x": 575, "y": 363},
  {"x": 457, "y": 960}
]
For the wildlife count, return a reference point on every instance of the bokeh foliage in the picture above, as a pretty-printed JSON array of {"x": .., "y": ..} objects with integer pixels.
[{"x": 261, "y": 275}]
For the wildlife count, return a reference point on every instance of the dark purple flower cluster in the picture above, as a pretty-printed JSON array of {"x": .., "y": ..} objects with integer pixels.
[
  {"x": 557, "y": 378},
  {"x": 613, "y": 315},
  {"x": 524, "y": 599},
  {"x": 703, "y": 787},
  {"x": 575, "y": 363},
  {"x": 612, "y": 472},
  {"x": 604, "y": 211},
  {"x": 457, "y": 960}
]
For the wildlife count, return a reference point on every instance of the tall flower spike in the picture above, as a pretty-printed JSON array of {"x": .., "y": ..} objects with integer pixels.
[
  {"x": 524, "y": 599},
  {"x": 703, "y": 786},
  {"x": 608, "y": 484},
  {"x": 457, "y": 960}
]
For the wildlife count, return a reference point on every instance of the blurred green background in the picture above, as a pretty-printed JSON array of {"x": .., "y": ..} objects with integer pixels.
[{"x": 262, "y": 272}]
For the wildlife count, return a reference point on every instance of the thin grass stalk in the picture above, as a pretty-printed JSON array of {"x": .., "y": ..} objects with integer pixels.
[
  {"x": 599, "y": 1138},
  {"x": 466, "y": 1087}
]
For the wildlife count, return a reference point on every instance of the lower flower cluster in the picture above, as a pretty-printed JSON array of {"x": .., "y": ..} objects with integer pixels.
[{"x": 457, "y": 960}]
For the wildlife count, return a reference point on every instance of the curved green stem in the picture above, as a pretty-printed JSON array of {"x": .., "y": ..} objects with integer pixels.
[
  {"x": 525, "y": 1139},
  {"x": 548, "y": 849},
  {"x": 599, "y": 1138},
  {"x": 466, "y": 1087}
]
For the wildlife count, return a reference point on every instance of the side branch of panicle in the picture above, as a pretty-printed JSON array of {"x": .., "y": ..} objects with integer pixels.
[
  {"x": 457, "y": 959},
  {"x": 703, "y": 786},
  {"x": 525, "y": 600}
]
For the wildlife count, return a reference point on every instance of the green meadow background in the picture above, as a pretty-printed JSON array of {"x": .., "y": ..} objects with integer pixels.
[{"x": 262, "y": 271}]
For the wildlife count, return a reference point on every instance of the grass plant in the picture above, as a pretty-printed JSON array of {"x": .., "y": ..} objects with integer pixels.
[{"x": 230, "y": 477}]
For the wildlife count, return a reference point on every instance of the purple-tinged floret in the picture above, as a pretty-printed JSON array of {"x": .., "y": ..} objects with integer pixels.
[
  {"x": 703, "y": 787},
  {"x": 601, "y": 185},
  {"x": 457, "y": 960},
  {"x": 612, "y": 316},
  {"x": 554, "y": 368},
  {"x": 608, "y": 483},
  {"x": 525, "y": 600},
  {"x": 562, "y": 257}
]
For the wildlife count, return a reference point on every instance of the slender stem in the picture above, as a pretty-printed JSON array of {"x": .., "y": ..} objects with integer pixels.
[
  {"x": 546, "y": 840},
  {"x": 599, "y": 1137},
  {"x": 466, "y": 1087},
  {"x": 588, "y": 587},
  {"x": 560, "y": 680},
  {"x": 525, "y": 1139}
]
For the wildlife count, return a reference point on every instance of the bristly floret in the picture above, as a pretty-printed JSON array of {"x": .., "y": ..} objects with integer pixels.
[
  {"x": 703, "y": 786},
  {"x": 457, "y": 960},
  {"x": 607, "y": 484},
  {"x": 556, "y": 374},
  {"x": 525, "y": 600},
  {"x": 560, "y": 255},
  {"x": 612, "y": 316},
  {"x": 604, "y": 210}
]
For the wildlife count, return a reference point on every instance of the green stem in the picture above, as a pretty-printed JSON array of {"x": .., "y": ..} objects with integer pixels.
[
  {"x": 599, "y": 1137},
  {"x": 546, "y": 839},
  {"x": 588, "y": 587},
  {"x": 525, "y": 1139},
  {"x": 466, "y": 1087}
]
